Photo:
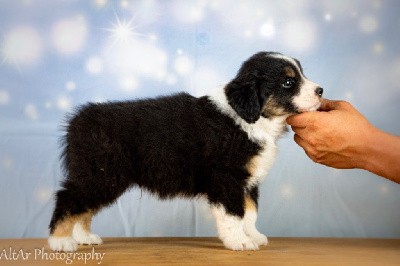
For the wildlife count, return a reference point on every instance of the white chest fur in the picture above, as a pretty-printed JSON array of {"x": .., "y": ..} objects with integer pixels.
[{"x": 264, "y": 131}]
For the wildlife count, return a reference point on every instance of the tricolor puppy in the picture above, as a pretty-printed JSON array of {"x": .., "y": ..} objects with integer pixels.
[{"x": 219, "y": 147}]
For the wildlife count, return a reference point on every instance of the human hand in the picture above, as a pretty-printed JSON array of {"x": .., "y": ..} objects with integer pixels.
[{"x": 335, "y": 136}]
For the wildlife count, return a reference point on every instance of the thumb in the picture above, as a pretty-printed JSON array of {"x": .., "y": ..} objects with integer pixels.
[{"x": 329, "y": 105}]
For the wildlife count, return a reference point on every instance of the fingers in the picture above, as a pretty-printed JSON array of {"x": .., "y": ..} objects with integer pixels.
[
  {"x": 308, "y": 149},
  {"x": 329, "y": 105},
  {"x": 301, "y": 131},
  {"x": 300, "y": 120},
  {"x": 307, "y": 118},
  {"x": 302, "y": 143},
  {"x": 304, "y": 119}
]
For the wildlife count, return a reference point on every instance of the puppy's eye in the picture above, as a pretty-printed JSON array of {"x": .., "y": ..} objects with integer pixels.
[{"x": 288, "y": 83}]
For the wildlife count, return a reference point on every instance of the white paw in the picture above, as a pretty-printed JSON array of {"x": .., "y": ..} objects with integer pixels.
[
  {"x": 243, "y": 243},
  {"x": 260, "y": 239},
  {"x": 84, "y": 237},
  {"x": 66, "y": 244},
  {"x": 88, "y": 239}
]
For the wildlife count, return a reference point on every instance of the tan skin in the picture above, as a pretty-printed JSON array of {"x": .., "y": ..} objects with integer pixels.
[{"x": 341, "y": 137}]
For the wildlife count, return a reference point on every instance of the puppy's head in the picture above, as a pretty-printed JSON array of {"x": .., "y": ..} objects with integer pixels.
[{"x": 271, "y": 84}]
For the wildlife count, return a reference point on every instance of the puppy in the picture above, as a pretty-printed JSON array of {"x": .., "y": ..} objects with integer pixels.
[{"x": 219, "y": 147}]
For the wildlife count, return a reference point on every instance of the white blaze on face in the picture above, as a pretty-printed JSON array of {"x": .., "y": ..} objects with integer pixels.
[{"x": 307, "y": 99}]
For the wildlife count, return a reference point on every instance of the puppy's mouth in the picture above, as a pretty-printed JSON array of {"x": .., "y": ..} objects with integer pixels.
[{"x": 311, "y": 108}]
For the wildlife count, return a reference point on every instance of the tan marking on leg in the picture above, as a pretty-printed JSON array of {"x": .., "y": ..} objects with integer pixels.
[
  {"x": 64, "y": 227},
  {"x": 253, "y": 165},
  {"x": 87, "y": 221},
  {"x": 249, "y": 204}
]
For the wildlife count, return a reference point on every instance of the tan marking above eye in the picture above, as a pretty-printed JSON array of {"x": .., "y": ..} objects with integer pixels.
[{"x": 290, "y": 72}]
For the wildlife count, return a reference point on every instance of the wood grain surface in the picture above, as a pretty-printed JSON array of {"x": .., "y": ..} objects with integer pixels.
[{"x": 206, "y": 251}]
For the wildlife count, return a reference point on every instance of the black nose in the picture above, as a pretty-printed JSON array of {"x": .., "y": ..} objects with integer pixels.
[{"x": 319, "y": 91}]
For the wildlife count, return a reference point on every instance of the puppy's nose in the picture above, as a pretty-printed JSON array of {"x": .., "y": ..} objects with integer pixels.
[{"x": 319, "y": 91}]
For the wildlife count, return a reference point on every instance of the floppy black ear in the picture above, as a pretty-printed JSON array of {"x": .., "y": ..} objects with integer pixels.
[{"x": 242, "y": 96}]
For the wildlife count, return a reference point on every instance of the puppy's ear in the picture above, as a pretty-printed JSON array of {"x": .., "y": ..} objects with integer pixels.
[{"x": 243, "y": 97}]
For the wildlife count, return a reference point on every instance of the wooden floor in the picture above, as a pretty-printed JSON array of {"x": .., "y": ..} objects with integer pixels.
[{"x": 206, "y": 251}]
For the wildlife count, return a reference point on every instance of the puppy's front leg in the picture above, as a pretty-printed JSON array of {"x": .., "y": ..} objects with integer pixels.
[
  {"x": 231, "y": 229},
  {"x": 250, "y": 218}
]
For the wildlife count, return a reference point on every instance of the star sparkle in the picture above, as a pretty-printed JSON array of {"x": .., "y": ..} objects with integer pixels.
[{"x": 123, "y": 31}]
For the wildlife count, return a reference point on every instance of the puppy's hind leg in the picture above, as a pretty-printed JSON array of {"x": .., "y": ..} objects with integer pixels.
[
  {"x": 71, "y": 231},
  {"x": 70, "y": 224},
  {"x": 97, "y": 173},
  {"x": 62, "y": 224},
  {"x": 81, "y": 232},
  {"x": 75, "y": 206}
]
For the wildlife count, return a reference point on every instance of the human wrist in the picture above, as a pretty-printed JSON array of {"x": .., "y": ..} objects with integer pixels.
[{"x": 369, "y": 150}]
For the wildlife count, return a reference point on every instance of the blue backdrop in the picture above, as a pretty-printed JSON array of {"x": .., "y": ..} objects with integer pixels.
[{"x": 57, "y": 54}]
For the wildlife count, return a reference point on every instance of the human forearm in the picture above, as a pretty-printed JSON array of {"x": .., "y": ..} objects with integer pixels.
[{"x": 382, "y": 155}]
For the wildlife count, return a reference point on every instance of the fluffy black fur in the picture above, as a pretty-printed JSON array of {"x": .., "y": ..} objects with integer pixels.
[{"x": 177, "y": 145}]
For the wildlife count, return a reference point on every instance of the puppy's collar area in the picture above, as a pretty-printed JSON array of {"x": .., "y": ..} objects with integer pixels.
[{"x": 262, "y": 131}]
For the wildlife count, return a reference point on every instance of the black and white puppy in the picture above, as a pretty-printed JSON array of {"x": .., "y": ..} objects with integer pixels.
[{"x": 219, "y": 146}]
